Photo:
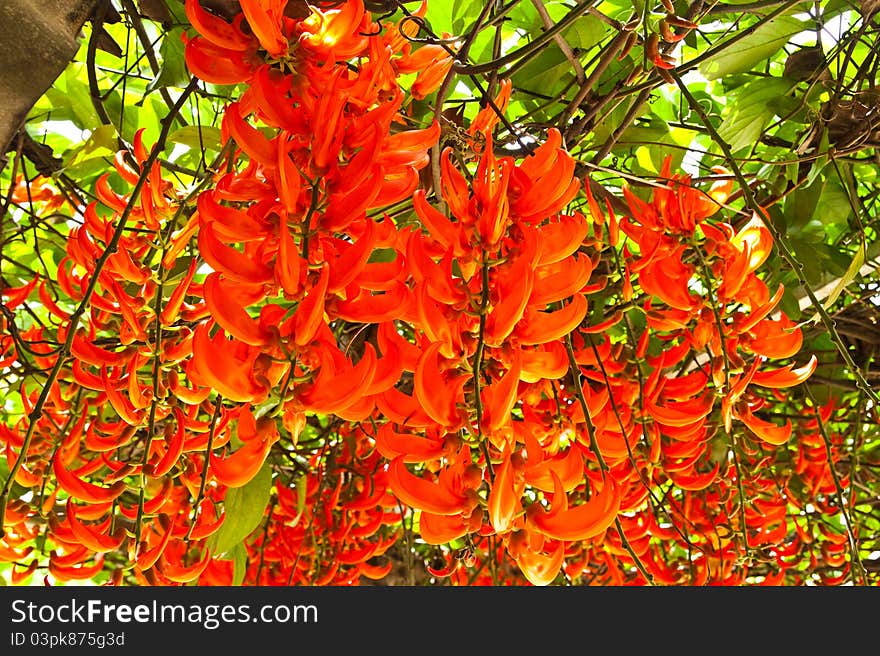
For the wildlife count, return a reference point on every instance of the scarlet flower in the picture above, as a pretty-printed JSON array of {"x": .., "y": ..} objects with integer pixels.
[
  {"x": 579, "y": 522},
  {"x": 266, "y": 20},
  {"x": 216, "y": 64},
  {"x": 431, "y": 62}
]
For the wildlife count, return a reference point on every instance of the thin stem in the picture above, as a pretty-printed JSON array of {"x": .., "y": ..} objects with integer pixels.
[
  {"x": 478, "y": 365},
  {"x": 579, "y": 392},
  {"x": 218, "y": 407},
  {"x": 135, "y": 18},
  {"x": 532, "y": 47},
  {"x": 560, "y": 41},
  {"x": 632, "y": 554}
]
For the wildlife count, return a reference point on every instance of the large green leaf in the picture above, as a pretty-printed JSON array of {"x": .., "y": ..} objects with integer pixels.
[
  {"x": 753, "y": 109},
  {"x": 244, "y": 508},
  {"x": 800, "y": 206},
  {"x": 833, "y": 206},
  {"x": 70, "y": 94},
  {"x": 585, "y": 32},
  {"x": 542, "y": 75},
  {"x": 464, "y": 13},
  {"x": 758, "y": 46}
]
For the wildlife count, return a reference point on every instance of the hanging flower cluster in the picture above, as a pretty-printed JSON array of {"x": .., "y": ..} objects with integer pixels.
[
  {"x": 453, "y": 377},
  {"x": 188, "y": 400}
]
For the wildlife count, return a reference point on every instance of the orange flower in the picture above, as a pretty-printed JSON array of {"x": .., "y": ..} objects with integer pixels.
[
  {"x": 437, "y": 498},
  {"x": 787, "y": 376},
  {"x": 545, "y": 181},
  {"x": 337, "y": 33},
  {"x": 215, "y": 64},
  {"x": 541, "y": 568},
  {"x": 438, "y": 388},
  {"x": 500, "y": 396},
  {"x": 542, "y": 327},
  {"x": 507, "y": 489},
  {"x": 440, "y": 529},
  {"x": 580, "y": 522},
  {"x": 234, "y": 264},
  {"x": 94, "y": 537},
  {"x": 225, "y": 367},
  {"x": 338, "y": 385},
  {"x": 779, "y": 338},
  {"x": 215, "y": 29},
  {"x": 240, "y": 467},
  {"x": 266, "y": 19},
  {"x": 83, "y": 490},
  {"x": 765, "y": 430},
  {"x": 431, "y": 62},
  {"x": 176, "y": 571}
]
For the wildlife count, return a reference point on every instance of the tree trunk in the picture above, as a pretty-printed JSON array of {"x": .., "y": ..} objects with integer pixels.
[{"x": 38, "y": 38}]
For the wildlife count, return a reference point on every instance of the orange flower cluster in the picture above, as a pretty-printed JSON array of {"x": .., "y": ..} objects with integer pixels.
[
  {"x": 561, "y": 459},
  {"x": 158, "y": 424},
  {"x": 324, "y": 533},
  {"x": 454, "y": 369}
]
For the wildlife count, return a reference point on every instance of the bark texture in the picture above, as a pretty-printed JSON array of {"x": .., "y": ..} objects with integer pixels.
[{"x": 38, "y": 38}]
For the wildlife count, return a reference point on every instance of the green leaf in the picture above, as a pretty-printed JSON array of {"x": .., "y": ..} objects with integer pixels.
[
  {"x": 239, "y": 564},
  {"x": 4, "y": 470},
  {"x": 758, "y": 46},
  {"x": 177, "y": 10},
  {"x": 383, "y": 255},
  {"x": 464, "y": 13},
  {"x": 542, "y": 74},
  {"x": 244, "y": 508},
  {"x": 800, "y": 206},
  {"x": 833, "y": 206},
  {"x": 197, "y": 137},
  {"x": 603, "y": 129},
  {"x": 820, "y": 162},
  {"x": 585, "y": 32},
  {"x": 101, "y": 143},
  {"x": 733, "y": 3},
  {"x": 483, "y": 45},
  {"x": 172, "y": 72},
  {"x": 181, "y": 266},
  {"x": 848, "y": 276},
  {"x": 752, "y": 111},
  {"x": 131, "y": 117},
  {"x": 69, "y": 91},
  {"x": 790, "y": 303},
  {"x": 440, "y": 17},
  {"x": 16, "y": 489},
  {"x": 87, "y": 171},
  {"x": 806, "y": 253}
]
